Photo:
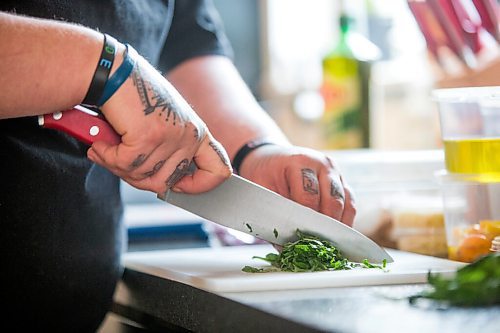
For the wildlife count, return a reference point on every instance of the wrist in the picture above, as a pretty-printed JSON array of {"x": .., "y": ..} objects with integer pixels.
[
  {"x": 121, "y": 90},
  {"x": 120, "y": 51},
  {"x": 109, "y": 66},
  {"x": 122, "y": 72},
  {"x": 101, "y": 72},
  {"x": 246, "y": 150}
]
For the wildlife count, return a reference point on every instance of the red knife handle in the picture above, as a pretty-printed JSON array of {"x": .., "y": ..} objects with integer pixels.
[{"x": 81, "y": 125}]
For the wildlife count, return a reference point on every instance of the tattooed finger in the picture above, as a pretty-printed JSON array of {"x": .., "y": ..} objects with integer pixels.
[
  {"x": 155, "y": 169},
  {"x": 180, "y": 171},
  {"x": 310, "y": 181},
  {"x": 199, "y": 133},
  {"x": 336, "y": 190},
  {"x": 138, "y": 161},
  {"x": 220, "y": 153}
]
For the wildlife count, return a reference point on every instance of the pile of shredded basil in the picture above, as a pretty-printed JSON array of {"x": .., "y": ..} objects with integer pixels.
[
  {"x": 308, "y": 254},
  {"x": 477, "y": 284}
]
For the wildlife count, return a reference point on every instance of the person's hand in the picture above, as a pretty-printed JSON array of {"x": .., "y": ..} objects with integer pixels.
[
  {"x": 161, "y": 137},
  {"x": 303, "y": 175}
]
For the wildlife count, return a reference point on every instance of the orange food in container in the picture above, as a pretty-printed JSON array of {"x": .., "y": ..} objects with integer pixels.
[{"x": 472, "y": 215}]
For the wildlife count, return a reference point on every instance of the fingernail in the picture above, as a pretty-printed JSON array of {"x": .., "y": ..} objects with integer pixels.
[{"x": 176, "y": 189}]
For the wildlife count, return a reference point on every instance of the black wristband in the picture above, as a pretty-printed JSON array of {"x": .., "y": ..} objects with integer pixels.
[
  {"x": 102, "y": 71},
  {"x": 245, "y": 150},
  {"x": 120, "y": 76}
]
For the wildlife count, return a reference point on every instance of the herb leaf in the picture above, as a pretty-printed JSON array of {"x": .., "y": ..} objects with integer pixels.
[
  {"x": 309, "y": 254},
  {"x": 477, "y": 284}
]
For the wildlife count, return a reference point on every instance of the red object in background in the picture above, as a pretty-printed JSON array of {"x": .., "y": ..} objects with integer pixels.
[
  {"x": 430, "y": 28},
  {"x": 464, "y": 24},
  {"x": 81, "y": 123},
  {"x": 444, "y": 12},
  {"x": 488, "y": 11}
]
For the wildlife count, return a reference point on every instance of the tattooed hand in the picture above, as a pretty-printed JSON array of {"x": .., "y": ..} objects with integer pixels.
[
  {"x": 303, "y": 175},
  {"x": 161, "y": 137}
]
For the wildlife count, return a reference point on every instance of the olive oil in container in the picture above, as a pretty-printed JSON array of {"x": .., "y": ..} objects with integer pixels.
[{"x": 479, "y": 156}]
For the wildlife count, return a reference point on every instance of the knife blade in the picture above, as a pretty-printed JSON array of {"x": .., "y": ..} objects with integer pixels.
[
  {"x": 245, "y": 206},
  {"x": 239, "y": 203}
]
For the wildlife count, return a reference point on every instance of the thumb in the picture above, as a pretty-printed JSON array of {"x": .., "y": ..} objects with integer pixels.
[
  {"x": 213, "y": 168},
  {"x": 102, "y": 152}
]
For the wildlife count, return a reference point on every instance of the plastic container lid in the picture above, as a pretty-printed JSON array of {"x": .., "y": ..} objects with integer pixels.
[{"x": 468, "y": 94}]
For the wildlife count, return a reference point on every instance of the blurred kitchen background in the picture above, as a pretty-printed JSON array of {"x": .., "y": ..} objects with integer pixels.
[
  {"x": 392, "y": 146},
  {"x": 279, "y": 47}
]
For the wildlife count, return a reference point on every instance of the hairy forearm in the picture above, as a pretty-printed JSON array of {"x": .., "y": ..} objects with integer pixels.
[
  {"x": 214, "y": 88},
  {"x": 46, "y": 65}
]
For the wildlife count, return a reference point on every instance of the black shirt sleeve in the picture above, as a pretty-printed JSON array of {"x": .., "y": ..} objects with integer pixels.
[{"x": 196, "y": 30}]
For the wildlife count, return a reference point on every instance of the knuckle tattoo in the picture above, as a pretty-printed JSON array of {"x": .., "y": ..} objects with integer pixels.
[
  {"x": 138, "y": 161},
  {"x": 182, "y": 169},
  {"x": 155, "y": 169},
  {"x": 310, "y": 181},
  {"x": 219, "y": 153},
  {"x": 336, "y": 190}
]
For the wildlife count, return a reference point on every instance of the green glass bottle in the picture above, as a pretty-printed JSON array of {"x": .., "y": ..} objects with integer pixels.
[{"x": 345, "y": 122}]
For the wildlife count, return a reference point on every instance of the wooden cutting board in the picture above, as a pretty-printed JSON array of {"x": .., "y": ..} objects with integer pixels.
[{"x": 219, "y": 269}]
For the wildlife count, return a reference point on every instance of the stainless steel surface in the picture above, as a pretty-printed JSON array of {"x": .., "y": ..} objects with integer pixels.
[{"x": 242, "y": 205}]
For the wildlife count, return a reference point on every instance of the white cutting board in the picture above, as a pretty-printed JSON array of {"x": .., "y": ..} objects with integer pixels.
[{"x": 219, "y": 269}]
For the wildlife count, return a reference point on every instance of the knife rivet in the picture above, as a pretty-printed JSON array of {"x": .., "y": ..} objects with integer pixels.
[
  {"x": 94, "y": 130},
  {"x": 57, "y": 115}
]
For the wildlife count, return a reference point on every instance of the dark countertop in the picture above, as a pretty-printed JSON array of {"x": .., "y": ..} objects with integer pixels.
[{"x": 164, "y": 304}]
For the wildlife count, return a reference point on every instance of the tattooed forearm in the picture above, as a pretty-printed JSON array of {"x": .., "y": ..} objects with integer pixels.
[
  {"x": 336, "y": 190},
  {"x": 138, "y": 161},
  {"x": 141, "y": 89},
  {"x": 155, "y": 96},
  {"x": 220, "y": 153},
  {"x": 155, "y": 168},
  {"x": 180, "y": 171},
  {"x": 310, "y": 181}
]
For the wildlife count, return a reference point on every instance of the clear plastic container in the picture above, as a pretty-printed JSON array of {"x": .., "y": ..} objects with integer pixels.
[
  {"x": 418, "y": 224},
  {"x": 471, "y": 214},
  {"x": 470, "y": 129},
  {"x": 398, "y": 199}
]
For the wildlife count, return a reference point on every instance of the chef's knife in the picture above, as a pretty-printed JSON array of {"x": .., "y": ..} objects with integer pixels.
[{"x": 238, "y": 203}]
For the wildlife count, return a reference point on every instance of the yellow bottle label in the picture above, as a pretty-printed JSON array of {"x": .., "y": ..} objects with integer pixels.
[
  {"x": 473, "y": 156},
  {"x": 341, "y": 92}
]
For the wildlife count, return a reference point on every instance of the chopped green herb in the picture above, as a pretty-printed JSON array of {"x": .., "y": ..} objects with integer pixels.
[
  {"x": 249, "y": 227},
  {"x": 275, "y": 233},
  {"x": 368, "y": 264},
  {"x": 250, "y": 269},
  {"x": 308, "y": 254},
  {"x": 477, "y": 284}
]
